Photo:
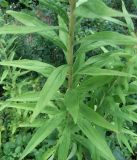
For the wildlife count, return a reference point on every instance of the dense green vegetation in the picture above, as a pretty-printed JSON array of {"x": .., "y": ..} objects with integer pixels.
[{"x": 68, "y": 80}]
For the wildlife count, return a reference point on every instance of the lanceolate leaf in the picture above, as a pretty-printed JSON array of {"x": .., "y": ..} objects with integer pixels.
[
  {"x": 63, "y": 33},
  {"x": 104, "y": 38},
  {"x": 96, "y": 9},
  {"x": 72, "y": 103},
  {"x": 51, "y": 86},
  {"x": 84, "y": 142},
  {"x": 93, "y": 83},
  {"x": 95, "y": 138},
  {"x": 89, "y": 70},
  {"x": 49, "y": 126},
  {"x": 12, "y": 29},
  {"x": 32, "y": 97},
  {"x": 64, "y": 144},
  {"x": 49, "y": 153},
  {"x": 32, "y": 21},
  {"x": 94, "y": 117},
  {"x": 128, "y": 18},
  {"x": 32, "y": 65},
  {"x": 51, "y": 109},
  {"x": 26, "y": 19},
  {"x": 110, "y": 37},
  {"x": 26, "y": 97}
]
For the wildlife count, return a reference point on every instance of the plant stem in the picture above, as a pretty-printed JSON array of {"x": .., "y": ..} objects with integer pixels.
[{"x": 71, "y": 38}]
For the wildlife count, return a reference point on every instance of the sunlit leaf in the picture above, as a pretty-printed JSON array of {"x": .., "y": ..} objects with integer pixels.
[
  {"x": 32, "y": 65},
  {"x": 51, "y": 86}
]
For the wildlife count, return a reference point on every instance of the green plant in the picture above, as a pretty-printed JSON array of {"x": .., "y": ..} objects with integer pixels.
[{"x": 85, "y": 98}]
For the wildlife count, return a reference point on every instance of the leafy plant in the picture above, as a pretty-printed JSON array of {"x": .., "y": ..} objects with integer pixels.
[{"x": 84, "y": 99}]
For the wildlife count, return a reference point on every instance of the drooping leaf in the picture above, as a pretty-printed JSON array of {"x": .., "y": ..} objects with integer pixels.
[
  {"x": 49, "y": 126},
  {"x": 51, "y": 86},
  {"x": 32, "y": 65},
  {"x": 32, "y": 21}
]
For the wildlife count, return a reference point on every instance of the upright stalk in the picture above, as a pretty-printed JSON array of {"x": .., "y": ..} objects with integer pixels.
[{"x": 71, "y": 37}]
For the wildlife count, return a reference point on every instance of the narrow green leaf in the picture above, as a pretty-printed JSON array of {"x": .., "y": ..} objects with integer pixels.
[
  {"x": 26, "y": 19},
  {"x": 128, "y": 18},
  {"x": 94, "y": 117},
  {"x": 49, "y": 153},
  {"x": 32, "y": 65},
  {"x": 64, "y": 144},
  {"x": 104, "y": 38},
  {"x": 51, "y": 109},
  {"x": 26, "y": 97},
  {"x": 4, "y": 75},
  {"x": 96, "y": 9},
  {"x": 93, "y": 83},
  {"x": 84, "y": 142},
  {"x": 80, "y": 59},
  {"x": 72, "y": 103},
  {"x": 63, "y": 34},
  {"x": 51, "y": 86},
  {"x": 110, "y": 37},
  {"x": 95, "y": 138},
  {"x": 36, "y": 124},
  {"x": 49, "y": 126},
  {"x": 132, "y": 107},
  {"x": 89, "y": 70},
  {"x": 12, "y": 29},
  {"x": 30, "y": 21},
  {"x": 73, "y": 151}
]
